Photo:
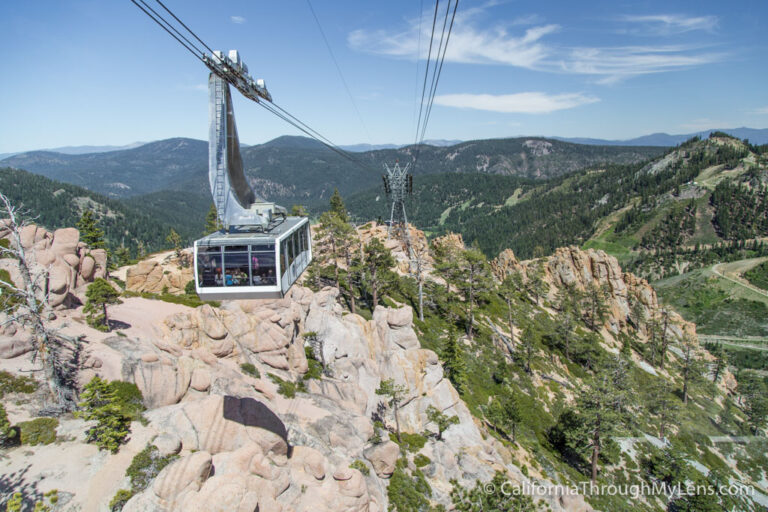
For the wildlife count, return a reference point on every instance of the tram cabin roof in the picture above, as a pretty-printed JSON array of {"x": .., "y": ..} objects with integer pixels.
[{"x": 244, "y": 237}]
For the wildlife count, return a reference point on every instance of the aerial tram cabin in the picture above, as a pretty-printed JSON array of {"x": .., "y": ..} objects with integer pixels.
[
  {"x": 252, "y": 265},
  {"x": 260, "y": 251}
]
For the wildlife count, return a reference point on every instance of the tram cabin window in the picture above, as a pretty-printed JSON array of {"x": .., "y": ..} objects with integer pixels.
[
  {"x": 263, "y": 265},
  {"x": 236, "y": 267},
  {"x": 209, "y": 266}
]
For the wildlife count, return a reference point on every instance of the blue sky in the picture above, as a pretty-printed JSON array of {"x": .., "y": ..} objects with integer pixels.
[{"x": 89, "y": 72}]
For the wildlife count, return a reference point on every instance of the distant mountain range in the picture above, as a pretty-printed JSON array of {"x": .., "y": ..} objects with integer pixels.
[
  {"x": 80, "y": 150},
  {"x": 293, "y": 169},
  {"x": 755, "y": 136},
  {"x": 359, "y": 148}
]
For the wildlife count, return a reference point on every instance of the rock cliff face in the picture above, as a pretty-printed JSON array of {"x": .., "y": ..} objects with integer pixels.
[
  {"x": 571, "y": 267},
  {"x": 165, "y": 272},
  {"x": 228, "y": 464},
  {"x": 62, "y": 265},
  {"x": 65, "y": 263},
  {"x": 244, "y": 443}
]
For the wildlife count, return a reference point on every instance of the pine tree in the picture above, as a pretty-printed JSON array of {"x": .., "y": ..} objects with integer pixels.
[
  {"x": 334, "y": 231},
  {"x": 475, "y": 280},
  {"x": 603, "y": 407},
  {"x": 141, "y": 250},
  {"x": 594, "y": 305},
  {"x": 100, "y": 403},
  {"x": 535, "y": 283},
  {"x": 395, "y": 394},
  {"x": 90, "y": 232},
  {"x": 337, "y": 206},
  {"x": 99, "y": 295},
  {"x": 121, "y": 256},
  {"x": 509, "y": 289},
  {"x": 530, "y": 342},
  {"x": 441, "y": 420},
  {"x": 298, "y": 210},
  {"x": 174, "y": 239},
  {"x": 504, "y": 414},
  {"x": 212, "y": 223},
  {"x": 692, "y": 367},
  {"x": 377, "y": 263},
  {"x": 663, "y": 406},
  {"x": 454, "y": 364}
]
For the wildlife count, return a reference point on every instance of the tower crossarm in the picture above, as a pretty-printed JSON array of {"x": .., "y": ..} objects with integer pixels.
[{"x": 233, "y": 70}]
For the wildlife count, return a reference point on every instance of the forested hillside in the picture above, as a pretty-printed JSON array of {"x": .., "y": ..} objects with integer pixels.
[
  {"x": 704, "y": 192},
  {"x": 57, "y": 205}
]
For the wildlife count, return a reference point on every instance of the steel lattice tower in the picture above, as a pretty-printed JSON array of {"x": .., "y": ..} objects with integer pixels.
[{"x": 398, "y": 184}]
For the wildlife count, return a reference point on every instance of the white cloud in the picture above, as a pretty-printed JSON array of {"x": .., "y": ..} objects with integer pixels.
[
  {"x": 529, "y": 48},
  {"x": 615, "y": 64},
  {"x": 669, "y": 24},
  {"x": 763, "y": 110},
  {"x": 237, "y": 19},
  {"x": 520, "y": 103},
  {"x": 467, "y": 44}
]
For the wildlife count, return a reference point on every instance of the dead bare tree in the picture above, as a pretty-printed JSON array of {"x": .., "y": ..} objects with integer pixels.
[
  {"x": 30, "y": 309},
  {"x": 419, "y": 255}
]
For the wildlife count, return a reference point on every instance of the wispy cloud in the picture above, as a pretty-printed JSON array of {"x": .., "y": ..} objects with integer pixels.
[
  {"x": 529, "y": 47},
  {"x": 615, "y": 64},
  {"x": 237, "y": 19},
  {"x": 762, "y": 111},
  {"x": 669, "y": 24},
  {"x": 520, "y": 103},
  {"x": 467, "y": 45}
]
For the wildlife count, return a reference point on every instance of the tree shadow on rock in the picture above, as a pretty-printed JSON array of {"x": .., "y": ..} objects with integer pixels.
[{"x": 19, "y": 481}]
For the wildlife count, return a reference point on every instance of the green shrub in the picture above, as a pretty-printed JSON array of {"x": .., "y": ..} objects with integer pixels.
[
  {"x": 360, "y": 466},
  {"x": 14, "y": 503},
  {"x": 498, "y": 494},
  {"x": 409, "y": 442},
  {"x": 129, "y": 398},
  {"x": 189, "y": 288},
  {"x": 101, "y": 403},
  {"x": 8, "y": 434},
  {"x": 421, "y": 460},
  {"x": 145, "y": 466},
  {"x": 38, "y": 431},
  {"x": 408, "y": 492},
  {"x": 315, "y": 367},
  {"x": 10, "y": 383},
  {"x": 287, "y": 388},
  {"x": 250, "y": 369},
  {"x": 119, "y": 500},
  {"x": 8, "y": 299}
]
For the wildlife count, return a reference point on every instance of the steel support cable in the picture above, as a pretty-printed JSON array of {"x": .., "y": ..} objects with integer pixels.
[
  {"x": 183, "y": 25},
  {"x": 418, "y": 56},
  {"x": 303, "y": 127},
  {"x": 193, "y": 52},
  {"x": 174, "y": 29},
  {"x": 269, "y": 106},
  {"x": 338, "y": 68},
  {"x": 440, "y": 69},
  {"x": 434, "y": 71},
  {"x": 436, "y": 78},
  {"x": 426, "y": 72}
]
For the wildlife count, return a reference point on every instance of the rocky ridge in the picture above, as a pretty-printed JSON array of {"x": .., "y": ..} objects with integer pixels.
[{"x": 244, "y": 443}]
